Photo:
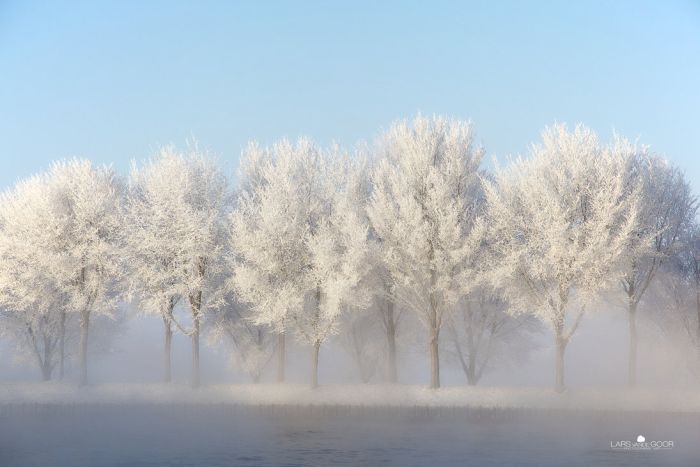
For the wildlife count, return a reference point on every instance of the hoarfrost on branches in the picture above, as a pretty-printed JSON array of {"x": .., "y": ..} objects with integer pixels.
[
  {"x": 177, "y": 204},
  {"x": 559, "y": 226},
  {"x": 33, "y": 305},
  {"x": 423, "y": 208},
  {"x": 667, "y": 208},
  {"x": 299, "y": 244},
  {"x": 61, "y": 251}
]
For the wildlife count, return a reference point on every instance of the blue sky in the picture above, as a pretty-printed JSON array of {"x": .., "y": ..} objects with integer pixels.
[{"x": 113, "y": 80}]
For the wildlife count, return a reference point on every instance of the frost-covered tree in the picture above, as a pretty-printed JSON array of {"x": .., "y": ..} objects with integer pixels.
[
  {"x": 423, "y": 212},
  {"x": 298, "y": 240},
  {"x": 65, "y": 256},
  {"x": 258, "y": 256},
  {"x": 674, "y": 296},
  {"x": 689, "y": 263},
  {"x": 60, "y": 248},
  {"x": 667, "y": 208},
  {"x": 152, "y": 250},
  {"x": 559, "y": 225},
  {"x": 360, "y": 329},
  {"x": 87, "y": 249},
  {"x": 33, "y": 306},
  {"x": 177, "y": 206},
  {"x": 483, "y": 333},
  {"x": 378, "y": 284}
]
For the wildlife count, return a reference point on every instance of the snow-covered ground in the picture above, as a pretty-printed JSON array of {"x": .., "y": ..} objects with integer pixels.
[{"x": 355, "y": 396}]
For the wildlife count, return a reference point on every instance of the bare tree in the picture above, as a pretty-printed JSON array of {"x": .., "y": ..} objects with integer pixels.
[
  {"x": 484, "y": 334},
  {"x": 360, "y": 336},
  {"x": 36, "y": 336},
  {"x": 253, "y": 344}
]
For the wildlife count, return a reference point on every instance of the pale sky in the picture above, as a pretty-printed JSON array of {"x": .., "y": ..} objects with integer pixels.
[{"x": 111, "y": 81}]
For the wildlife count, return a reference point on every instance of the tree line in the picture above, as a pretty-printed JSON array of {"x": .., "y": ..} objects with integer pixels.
[{"x": 317, "y": 241}]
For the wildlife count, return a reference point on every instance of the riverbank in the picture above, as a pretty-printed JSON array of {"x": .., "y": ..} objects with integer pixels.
[{"x": 606, "y": 399}]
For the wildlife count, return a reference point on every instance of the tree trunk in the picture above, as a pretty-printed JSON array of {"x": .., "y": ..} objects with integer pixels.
[
  {"x": 560, "y": 345},
  {"x": 365, "y": 375},
  {"x": 45, "y": 372},
  {"x": 391, "y": 340},
  {"x": 472, "y": 379},
  {"x": 62, "y": 345},
  {"x": 195, "y": 353},
  {"x": 632, "y": 363},
  {"x": 433, "y": 346},
  {"x": 281, "y": 357},
  {"x": 468, "y": 370},
  {"x": 84, "y": 326},
  {"x": 697, "y": 306},
  {"x": 167, "y": 377},
  {"x": 46, "y": 364},
  {"x": 697, "y": 309},
  {"x": 314, "y": 367},
  {"x": 434, "y": 328},
  {"x": 196, "y": 306},
  {"x": 434, "y": 359}
]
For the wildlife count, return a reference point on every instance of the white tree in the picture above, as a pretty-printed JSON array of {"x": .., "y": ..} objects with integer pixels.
[
  {"x": 177, "y": 206},
  {"x": 360, "y": 328},
  {"x": 299, "y": 243},
  {"x": 87, "y": 251},
  {"x": 152, "y": 250},
  {"x": 260, "y": 257},
  {"x": 33, "y": 306},
  {"x": 674, "y": 297},
  {"x": 380, "y": 284},
  {"x": 61, "y": 241},
  {"x": 559, "y": 225},
  {"x": 424, "y": 214},
  {"x": 667, "y": 208}
]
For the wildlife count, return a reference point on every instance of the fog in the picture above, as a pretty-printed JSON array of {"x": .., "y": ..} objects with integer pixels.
[{"x": 597, "y": 356}]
